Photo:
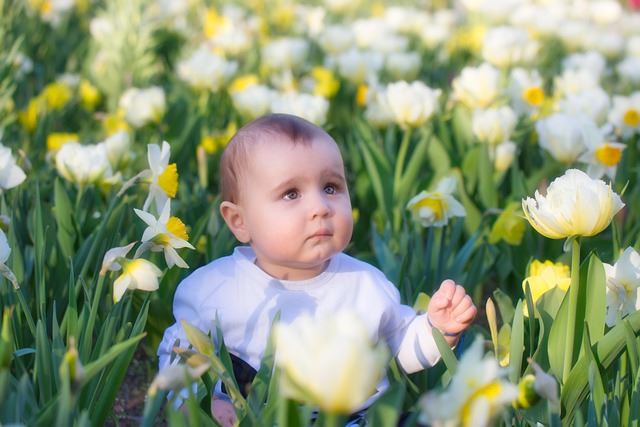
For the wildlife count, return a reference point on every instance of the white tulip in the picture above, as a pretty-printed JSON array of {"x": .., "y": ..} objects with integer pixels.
[
  {"x": 205, "y": 69},
  {"x": 117, "y": 148},
  {"x": 629, "y": 69},
  {"x": 329, "y": 362},
  {"x": 477, "y": 87},
  {"x": 378, "y": 112},
  {"x": 143, "y": 106},
  {"x": 572, "y": 81},
  {"x": 336, "y": 39},
  {"x": 605, "y": 12},
  {"x": 286, "y": 53},
  {"x": 504, "y": 155},
  {"x": 403, "y": 65},
  {"x": 83, "y": 164},
  {"x": 575, "y": 205},
  {"x": 254, "y": 101},
  {"x": 508, "y": 46},
  {"x": 5, "y": 249},
  {"x": 493, "y": 125},
  {"x": 623, "y": 280},
  {"x": 412, "y": 104},
  {"x": 359, "y": 66},
  {"x": 591, "y": 61},
  {"x": 11, "y": 175},
  {"x": 309, "y": 107},
  {"x": 593, "y": 103},
  {"x": 564, "y": 136}
]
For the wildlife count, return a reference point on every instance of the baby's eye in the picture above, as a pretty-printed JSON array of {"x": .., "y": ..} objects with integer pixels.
[
  {"x": 331, "y": 189},
  {"x": 290, "y": 194}
]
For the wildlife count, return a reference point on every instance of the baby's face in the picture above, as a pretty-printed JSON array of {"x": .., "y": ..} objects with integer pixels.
[{"x": 296, "y": 206}]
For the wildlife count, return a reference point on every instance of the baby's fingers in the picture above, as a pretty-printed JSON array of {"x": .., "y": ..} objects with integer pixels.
[{"x": 467, "y": 315}]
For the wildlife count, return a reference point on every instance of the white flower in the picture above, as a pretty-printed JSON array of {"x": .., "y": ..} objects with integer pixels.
[
  {"x": 435, "y": 208},
  {"x": 609, "y": 42},
  {"x": 233, "y": 40},
  {"x": 254, "y": 101},
  {"x": 378, "y": 112},
  {"x": 496, "y": 11},
  {"x": 493, "y": 125},
  {"x": 403, "y": 65},
  {"x": 110, "y": 259},
  {"x": 575, "y": 205},
  {"x": 602, "y": 156},
  {"x": 477, "y": 87},
  {"x": 329, "y": 361},
  {"x": 565, "y": 136},
  {"x": 164, "y": 234},
  {"x": 476, "y": 394},
  {"x": 176, "y": 377},
  {"x": 525, "y": 90},
  {"x": 412, "y": 104},
  {"x": 5, "y": 250},
  {"x": 342, "y": 6},
  {"x": 436, "y": 29},
  {"x": 136, "y": 274},
  {"x": 593, "y": 103},
  {"x": 571, "y": 82},
  {"x": 623, "y": 280},
  {"x": 285, "y": 53},
  {"x": 164, "y": 176},
  {"x": 504, "y": 155},
  {"x": 143, "y": 106},
  {"x": 11, "y": 175},
  {"x": 625, "y": 114},
  {"x": 83, "y": 164},
  {"x": 629, "y": 69},
  {"x": 205, "y": 69},
  {"x": 336, "y": 39},
  {"x": 633, "y": 46},
  {"x": 118, "y": 149},
  {"x": 590, "y": 61},
  {"x": 359, "y": 66},
  {"x": 605, "y": 12},
  {"x": 508, "y": 46},
  {"x": 309, "y": 107}
]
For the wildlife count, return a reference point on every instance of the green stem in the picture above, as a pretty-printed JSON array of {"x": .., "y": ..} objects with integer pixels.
[
  {"x": 574, "y": 291},
  {"x": 27, "y": 312},
  {"x": 402, "y": 155},
  {"x": 332, "y": 420},
  {"x": 88, "y": 331}
]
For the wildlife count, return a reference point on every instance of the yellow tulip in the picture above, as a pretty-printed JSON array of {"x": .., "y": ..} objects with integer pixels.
[{"x": 543, "y": 277}]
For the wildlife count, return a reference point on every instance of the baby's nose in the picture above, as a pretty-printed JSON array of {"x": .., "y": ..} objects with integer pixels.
[{"x": 320, "y": 205}]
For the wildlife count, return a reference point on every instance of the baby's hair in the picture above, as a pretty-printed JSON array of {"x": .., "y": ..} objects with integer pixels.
[{"x": 289, "y": 128}]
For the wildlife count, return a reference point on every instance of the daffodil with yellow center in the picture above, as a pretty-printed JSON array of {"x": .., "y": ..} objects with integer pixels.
[
  {"x": 136, "y": 274},
  {"x": 166, "y": 234},
  {"x": 481, "y": 396},
  {"x": 55, "y": 140},
  {"x": 631, "y": 117},
  {"x": 608, "y": 154},
  {"x": 533, "y": 95},
  {"x": 543, "y": 277},
  {"x": 163, "y": 176},
  {"x": 434, "y": 209},
  {"x": 115, "y": 122},
  {"x": 217, "y": 141},
  {"x": 168, "y": 180},
  {"x": 509, "y": 226}
]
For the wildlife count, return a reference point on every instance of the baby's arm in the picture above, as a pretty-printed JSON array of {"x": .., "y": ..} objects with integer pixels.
[{"x": 451, "y": 311}]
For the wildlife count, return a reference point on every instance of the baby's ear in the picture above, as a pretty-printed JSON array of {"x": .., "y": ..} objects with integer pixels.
[{"x": 233, "y": 216}]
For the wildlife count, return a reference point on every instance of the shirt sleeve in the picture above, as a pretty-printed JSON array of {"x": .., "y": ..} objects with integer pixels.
[{"x": 418, "y": 349}]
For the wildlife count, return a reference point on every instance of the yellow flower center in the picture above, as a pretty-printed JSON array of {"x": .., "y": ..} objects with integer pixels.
[
  {"x": 176, "y": 227},
  {"x": 489, "y": 392},
  {"x": 132, "y": 265},
  {"x": 608, "y": 155},
  {"x": 56, "y": 140},
  {"x": 631, "y": 117},
  {"x": 534, "y": 95},
  {"x": 435, "y": 203},
  {"x": 168, "y": 180}
]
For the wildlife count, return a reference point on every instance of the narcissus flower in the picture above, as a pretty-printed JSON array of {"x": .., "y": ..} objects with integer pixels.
[
  {"x": 164, "y": 176},
  {"x": 623, "y": 280},
  {"x": 136, "y": 274},
  {"x": 165, "y": 234},
  {"x": 602, "y": 156},
  {"x": 543, "y": 277},
  {"x": 575, "y": 205},
  {"x": 435, "y": 208},
  {"x": 329, "y": 362},
  {"x": 476, "y": 394},
  {"x": 176, "y": 377},
  {"x": 11, "y": 175},
  {"x": 625, "y": 114}
]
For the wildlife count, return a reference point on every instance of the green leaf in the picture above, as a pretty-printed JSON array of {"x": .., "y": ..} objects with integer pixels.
[
  {"x": 473, "y": 218},
  {"x": 557, "y": 338},
  {"x": 632, "y": 348},
  {"x": 504, "y": 305},
  {"x": 387, "y": 409},
  {"x": 595, "y": 305},
  {"x": 448, "y": 357},
  {"x": 64, "y": 214},
  {"x": 486, "y": 186},
  {"x": 516, "y": 348}
]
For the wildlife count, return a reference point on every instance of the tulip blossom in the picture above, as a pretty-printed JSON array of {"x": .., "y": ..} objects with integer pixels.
[
  {"x": 543, "y": 277},
  {"x": 205, "y": 69},
  {"x": 575, "y": 205},
  {"x": 565, "y": 136},
  {"x": 143, "y": 106},
  {"x": 11, "y": 174},
  {"x": 623, "y": 280},
  {"x": 434, "y": 209},
  {"x": 329, "y": 362},
  {"x": 475, "y": 396},
  {"x": 83, "y": 164},
  {"x": 477, "y": 87},
  {"x": 412, "y": 104},
  {"x": 165, "y": 234},
  {"x": 493, "y": 126}
]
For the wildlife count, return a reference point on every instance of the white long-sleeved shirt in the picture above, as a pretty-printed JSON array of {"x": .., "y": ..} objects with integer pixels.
[{"x": 245, "y": 299}]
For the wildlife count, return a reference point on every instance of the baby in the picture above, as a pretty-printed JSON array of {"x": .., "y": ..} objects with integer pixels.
[{"x": 285, "y": 196}]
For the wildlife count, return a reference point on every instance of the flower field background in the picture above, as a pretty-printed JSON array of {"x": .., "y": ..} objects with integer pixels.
[{"x": 491, "y": 142}]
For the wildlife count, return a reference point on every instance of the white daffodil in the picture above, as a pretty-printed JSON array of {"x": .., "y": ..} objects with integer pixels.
[
  {"x": 83, "y": 164},
  {"x": 166, "y": 234},
  {"x": 330, "y": 361},
  {"x": 164, "y": 176},
  {"x": 310, "y": 107},
  {"x": 435, "y": 208},
  {"x": 575, "y": 205},
  {"x": 493, "y": 125},
  {"x": 206, "y": 70},
  {"x": 477, "y": 87},
  {"x": 525, "y": 90},
  {"x": 143, "y": 106},
  {"x": 623, "y": 280},
  {"x": 136, "y": 274},
  {"x": 110, "y": 259},
  {"x": 564, "y": 136},
  {"x": 176, "y": 377},
  {"x": 476, "y": 394},
  {"x": 11, "y": 175},
  {"x": 505, "y": 47},
  {"x": 602, "y": 156},
  {"x": 625, "y": 114},
  {"x": 412, "y": 104}
]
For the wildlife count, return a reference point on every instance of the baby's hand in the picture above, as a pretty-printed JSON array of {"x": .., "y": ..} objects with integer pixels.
[
  {"x": 223, "y": 412},
  {"x": 451, "y": 309}
]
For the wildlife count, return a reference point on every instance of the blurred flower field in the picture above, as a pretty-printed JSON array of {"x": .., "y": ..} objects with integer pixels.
[{"x": 492, "y": 142}]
